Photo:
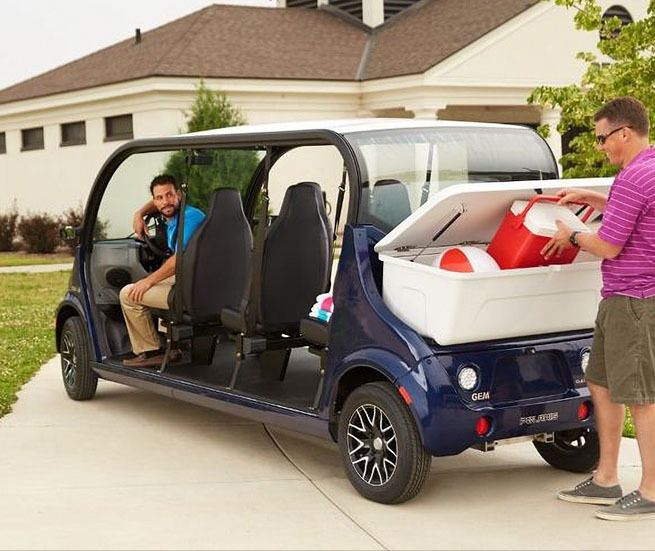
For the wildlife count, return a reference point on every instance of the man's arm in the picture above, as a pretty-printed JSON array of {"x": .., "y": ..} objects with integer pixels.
[
  {"x": 597, "y": 200},
  {"x": 589, "y": 242},
  {"x": 137, "y": 223},
  {"x": 167, "y": 269}
]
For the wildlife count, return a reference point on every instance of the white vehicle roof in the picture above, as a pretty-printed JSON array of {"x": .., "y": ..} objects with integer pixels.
[{"x": 344, "y": 126}]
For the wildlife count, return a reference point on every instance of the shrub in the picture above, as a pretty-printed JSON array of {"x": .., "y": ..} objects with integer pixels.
[
  {"x": 8, "y": 224},
  {"x": 39, "y": 233}
]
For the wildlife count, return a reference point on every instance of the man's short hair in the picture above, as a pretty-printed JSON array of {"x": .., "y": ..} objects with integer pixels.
[
  {"x": 626, "y": 111},
  {"x": 163, "y": 179}
]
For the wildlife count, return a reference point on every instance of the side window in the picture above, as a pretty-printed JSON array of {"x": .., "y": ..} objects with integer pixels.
[
  {"x": 129, "y": 186},
  {"x": 128, "y": 189},
  {"x": 322, "y": 164}
]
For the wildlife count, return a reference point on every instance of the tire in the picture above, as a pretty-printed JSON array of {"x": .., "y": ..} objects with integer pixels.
[
  {"x": 80, "y": 381},
  {"x": 574, "y": 450},
  {"x": 380, "y": 445}
]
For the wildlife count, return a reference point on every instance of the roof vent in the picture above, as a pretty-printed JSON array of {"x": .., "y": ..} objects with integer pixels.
[{"x": 137, "y": 36}]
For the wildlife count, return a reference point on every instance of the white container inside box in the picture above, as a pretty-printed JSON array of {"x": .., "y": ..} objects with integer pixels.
[{"x": 454, "y": 307}]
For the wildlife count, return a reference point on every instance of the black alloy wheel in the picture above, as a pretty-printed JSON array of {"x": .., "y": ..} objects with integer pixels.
[
  {"x": 380, "y": 445},
  {"x": 372, "y": 445},
  {"x": 80, "y": 381}
]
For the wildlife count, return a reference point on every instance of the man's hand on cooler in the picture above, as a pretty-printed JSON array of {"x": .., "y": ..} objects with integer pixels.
[{"x": 558, "y": 242}]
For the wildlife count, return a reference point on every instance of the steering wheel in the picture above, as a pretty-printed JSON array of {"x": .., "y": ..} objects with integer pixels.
[{"x": 150, "y": 221}]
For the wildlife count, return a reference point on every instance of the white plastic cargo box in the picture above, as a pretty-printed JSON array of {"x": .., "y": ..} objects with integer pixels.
[{"x": 453, "y": 307}]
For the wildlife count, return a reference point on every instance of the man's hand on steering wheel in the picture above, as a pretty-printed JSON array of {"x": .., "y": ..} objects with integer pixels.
[{"x": 149, "y": 240}]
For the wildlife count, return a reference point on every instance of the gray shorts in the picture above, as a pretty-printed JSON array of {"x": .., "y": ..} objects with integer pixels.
[{"x": 623, "y": 352}]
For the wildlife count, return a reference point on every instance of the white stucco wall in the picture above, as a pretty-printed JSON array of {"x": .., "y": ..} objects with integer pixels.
[
  {"x": 56, "y": 178},
  {"x": 536, "y": 47}
]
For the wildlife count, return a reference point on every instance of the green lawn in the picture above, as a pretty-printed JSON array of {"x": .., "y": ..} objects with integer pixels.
[
  {"x": 27, "y": 307},
  {"x": 20, "y": 258}
]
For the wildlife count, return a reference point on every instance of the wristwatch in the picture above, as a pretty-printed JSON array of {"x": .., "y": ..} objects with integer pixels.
[{"x": 573, "y": 238}]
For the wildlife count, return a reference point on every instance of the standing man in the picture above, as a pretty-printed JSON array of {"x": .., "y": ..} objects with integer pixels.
[
  {"x": 152, "y": 291},
  {"x": 621, "y": 369}
]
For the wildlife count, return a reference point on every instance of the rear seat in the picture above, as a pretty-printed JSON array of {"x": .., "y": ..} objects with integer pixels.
[
  {"x": 315, "y": 331},
  {"x": 214, "y": 270},
  {"x": 296, "y": 264}
]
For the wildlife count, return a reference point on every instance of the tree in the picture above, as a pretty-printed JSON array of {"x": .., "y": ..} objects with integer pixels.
[
  {"x": 627, "y": 69},
  {"x": 220, "y": 168}
]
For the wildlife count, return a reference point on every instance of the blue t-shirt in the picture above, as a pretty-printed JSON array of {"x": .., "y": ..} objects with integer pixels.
[{"x": 193, "y": 217}]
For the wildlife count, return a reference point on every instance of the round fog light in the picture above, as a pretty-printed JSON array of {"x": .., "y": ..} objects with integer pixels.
[{"x": 467, "y": 378}]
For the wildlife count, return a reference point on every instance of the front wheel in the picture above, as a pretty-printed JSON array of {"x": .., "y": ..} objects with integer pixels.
[
  {"x": 380, "y": 445},
  {"x": 574, "y": 450},
  {"x": 80, "y": 380}
]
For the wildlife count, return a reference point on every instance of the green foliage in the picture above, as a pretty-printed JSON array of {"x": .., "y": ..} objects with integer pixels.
[
  {"x": 39, "y": 233},
  {"x": 629, "y": 425},
  {"x": 225, "y": 168},
  {"x": 8, "y": 224},
  {"x": 626, "y": 69},
  {"x": 27, "y": 304}
]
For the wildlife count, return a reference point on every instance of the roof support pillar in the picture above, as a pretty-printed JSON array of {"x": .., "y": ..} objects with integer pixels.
[
  {"x": 551, "y": 117},
  {"x": 429, "y": 112}
]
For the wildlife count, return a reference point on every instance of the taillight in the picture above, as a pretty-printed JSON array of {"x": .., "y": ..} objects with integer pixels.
[
  {"x": 483, "y": 426},
  {"x": 584, "y": 410}
]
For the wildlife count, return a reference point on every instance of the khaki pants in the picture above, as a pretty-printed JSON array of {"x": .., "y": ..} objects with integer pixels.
[{"x": 142, "y": 331}]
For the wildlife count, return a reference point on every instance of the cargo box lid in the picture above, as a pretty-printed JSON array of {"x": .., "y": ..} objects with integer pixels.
[{"x": 465, "y": 213}]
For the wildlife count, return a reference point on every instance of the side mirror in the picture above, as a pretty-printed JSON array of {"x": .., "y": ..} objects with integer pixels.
[{"x": 69, "y": 233}]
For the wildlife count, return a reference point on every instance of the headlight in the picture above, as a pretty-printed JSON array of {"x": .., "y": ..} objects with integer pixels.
[
  {"x": 584, "y": 359},
  {"x": 468, "y": 377}
]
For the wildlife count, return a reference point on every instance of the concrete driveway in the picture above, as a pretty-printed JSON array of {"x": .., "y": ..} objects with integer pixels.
[{"x": 133, "y": 470}]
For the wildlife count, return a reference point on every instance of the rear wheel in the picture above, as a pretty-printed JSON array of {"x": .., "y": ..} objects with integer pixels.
[
  {"x": 380, "y": 445},
  {"x": 574, "y": 450},
  {"x": 80, "y": 380}
]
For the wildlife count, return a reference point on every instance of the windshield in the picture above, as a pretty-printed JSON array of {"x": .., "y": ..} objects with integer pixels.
[{"x": 403, "y": 168}]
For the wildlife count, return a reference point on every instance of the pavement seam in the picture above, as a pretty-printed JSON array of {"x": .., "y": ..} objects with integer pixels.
[{"x": 321, "y": 491}]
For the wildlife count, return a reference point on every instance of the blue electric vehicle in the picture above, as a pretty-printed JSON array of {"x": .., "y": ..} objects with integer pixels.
[{"x": 294, "y": 211}]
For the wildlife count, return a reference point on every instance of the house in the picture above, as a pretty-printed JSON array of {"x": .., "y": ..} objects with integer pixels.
[{"x": 305, "y": 59}]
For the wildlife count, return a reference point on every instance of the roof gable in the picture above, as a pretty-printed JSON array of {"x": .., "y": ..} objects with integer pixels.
[{"x": 420, "y": 38}]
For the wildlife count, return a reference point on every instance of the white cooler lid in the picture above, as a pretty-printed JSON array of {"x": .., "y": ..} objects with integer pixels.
[
  {"x": 472, "y": 212},
  {"x": 542, "y": 218}
]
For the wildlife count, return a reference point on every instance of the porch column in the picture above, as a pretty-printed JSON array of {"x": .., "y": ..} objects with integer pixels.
[
  {"x": 430, "y": 112},
  {"x": 551, "y": 117}
]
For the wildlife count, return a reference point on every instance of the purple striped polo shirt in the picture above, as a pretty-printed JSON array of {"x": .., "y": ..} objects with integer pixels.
[{"x": 629, "y": 220}]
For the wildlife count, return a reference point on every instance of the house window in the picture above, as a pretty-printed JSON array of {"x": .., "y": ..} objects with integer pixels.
[
  {"x": 623, "y": 15},
  {"x": 620, "y": 12},
  {"x": 3, "y": 143},
  {"x": 73, "y": 133},
  {"x": 118, "y": 128},
  {"x": 32, "y": 138}
]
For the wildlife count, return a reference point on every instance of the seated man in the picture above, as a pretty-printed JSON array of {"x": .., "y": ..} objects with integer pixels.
[{"x": 152, "y": 291}]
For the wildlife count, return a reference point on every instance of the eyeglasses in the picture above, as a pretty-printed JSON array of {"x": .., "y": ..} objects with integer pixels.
[{"x": 602, "y": 138}]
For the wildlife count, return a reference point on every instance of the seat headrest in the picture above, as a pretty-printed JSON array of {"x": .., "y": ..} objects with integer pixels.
[
  {"x": 391, "y": 201},
  {"x": 303, "y": 194}
]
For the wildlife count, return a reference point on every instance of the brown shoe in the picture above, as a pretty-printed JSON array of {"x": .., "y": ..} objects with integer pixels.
[{"x": 145, "y": 359}]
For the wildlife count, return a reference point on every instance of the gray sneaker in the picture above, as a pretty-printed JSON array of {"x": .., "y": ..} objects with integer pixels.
[
  {"x": 632, "y": 506},
  {"x": 590, "y": 492}
]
